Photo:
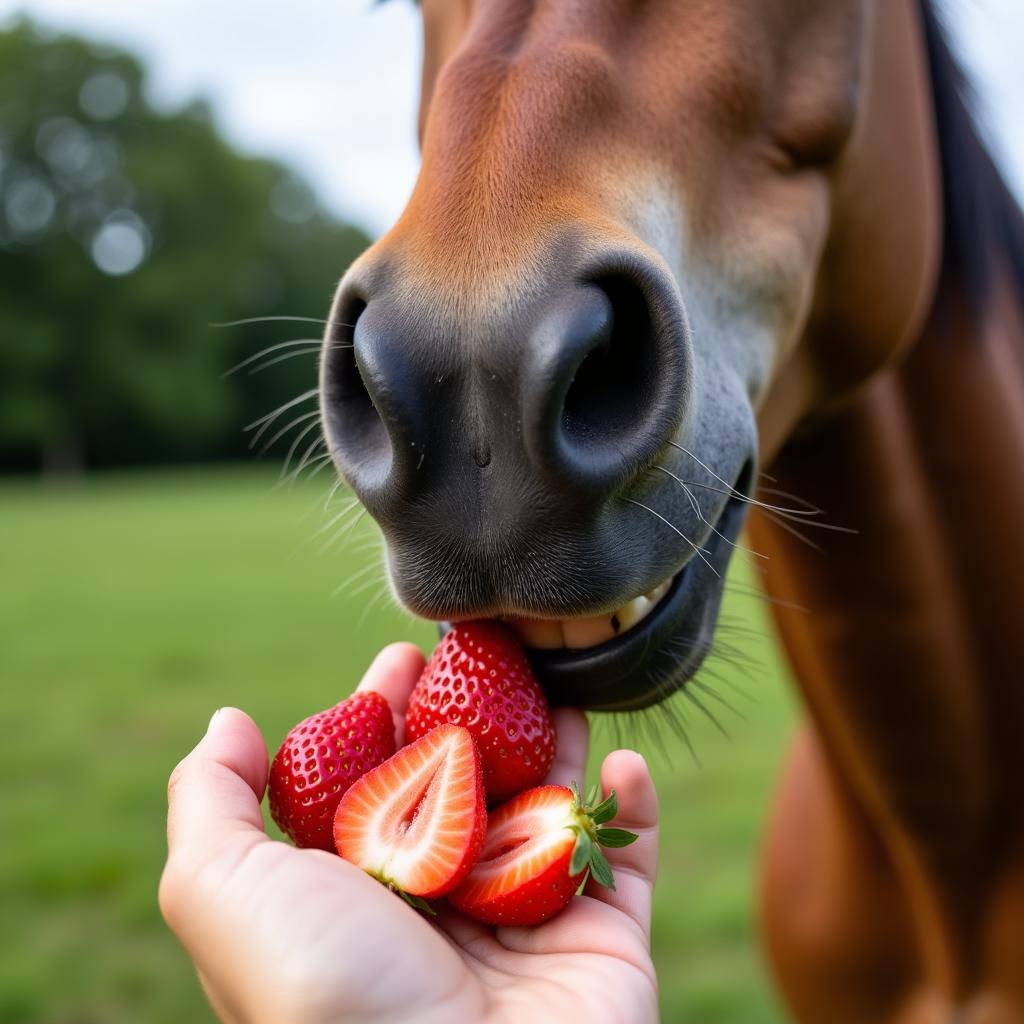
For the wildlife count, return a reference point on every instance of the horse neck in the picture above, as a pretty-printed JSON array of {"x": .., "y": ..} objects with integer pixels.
[{"x": 910, "y": 653}]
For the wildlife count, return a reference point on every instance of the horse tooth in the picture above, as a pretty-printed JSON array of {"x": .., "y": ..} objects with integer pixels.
[
  {"x": 587, "y": 632},
  {"x": 541, "y": 634},
  {"x": 632, "y": 613}
]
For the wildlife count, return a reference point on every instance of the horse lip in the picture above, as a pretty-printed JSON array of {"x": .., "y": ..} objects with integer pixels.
[
  {"x": 546, "y": 661},
  {"x": 616, "y": 675}
]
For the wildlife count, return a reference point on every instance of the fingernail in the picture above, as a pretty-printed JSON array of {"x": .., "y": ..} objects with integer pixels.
[{"x": 213, "y": 718}]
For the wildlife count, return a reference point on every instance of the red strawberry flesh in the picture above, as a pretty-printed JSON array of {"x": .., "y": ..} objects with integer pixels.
[
  {"x": 320, "y": 758},
  {"x": 417, "y": 822},
  {"x": 522, "y": 876},
  {"x": 479, "y": 677},
  {"x": 525, "y": 873}
]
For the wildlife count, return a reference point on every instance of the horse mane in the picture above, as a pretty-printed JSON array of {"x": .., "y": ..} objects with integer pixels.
[{"x": 983, "y": 223}]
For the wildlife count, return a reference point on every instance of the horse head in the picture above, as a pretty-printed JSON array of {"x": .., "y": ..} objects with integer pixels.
[{"x": 635, "y": 259}]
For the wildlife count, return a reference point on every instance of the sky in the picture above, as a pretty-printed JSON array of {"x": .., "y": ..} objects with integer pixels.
[{"x": 330, "y": 86}]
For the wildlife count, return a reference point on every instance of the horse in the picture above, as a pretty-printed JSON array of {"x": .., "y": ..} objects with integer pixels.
[{"x": 656, "y": 247}]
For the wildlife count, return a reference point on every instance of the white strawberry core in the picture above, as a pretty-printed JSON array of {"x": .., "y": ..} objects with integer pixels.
[
  {"x": 410, "y": 836},
  {"x": 516, "y": 847}
]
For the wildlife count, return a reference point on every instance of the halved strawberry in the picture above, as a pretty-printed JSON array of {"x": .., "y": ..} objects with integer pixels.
[
  {"x": 320, "y": 758},
  {"x": 538, "y": 849},
  {"x": 478, "y": 676},
  {"x": 417, "y": 822}
]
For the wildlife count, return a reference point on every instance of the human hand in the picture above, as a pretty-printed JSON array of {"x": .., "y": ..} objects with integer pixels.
[{"x": 287, "y": 935}]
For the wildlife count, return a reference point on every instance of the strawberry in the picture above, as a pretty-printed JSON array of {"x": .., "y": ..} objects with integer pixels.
[
  {"x": 478, "y": 677},
  {"x": 320, "y": 758},
  {"x": 417, "y": 822},
  {"x": 538, "y": 850}
]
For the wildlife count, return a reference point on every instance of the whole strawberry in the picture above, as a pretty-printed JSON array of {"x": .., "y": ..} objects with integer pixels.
[
  {"x": 320, "y": 758},
  {"x": 478, "y": 677}
]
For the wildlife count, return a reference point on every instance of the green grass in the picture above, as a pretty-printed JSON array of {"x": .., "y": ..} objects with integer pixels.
[{"x": 132, "y": 607}]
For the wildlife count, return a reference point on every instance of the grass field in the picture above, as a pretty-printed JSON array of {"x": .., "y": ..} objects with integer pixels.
[{"x": 133, "y": 606}]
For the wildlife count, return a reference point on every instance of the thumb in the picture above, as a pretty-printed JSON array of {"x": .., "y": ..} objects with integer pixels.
[
  {"x": 213, "y": 798},
  {"x": 634, "y": 866}
]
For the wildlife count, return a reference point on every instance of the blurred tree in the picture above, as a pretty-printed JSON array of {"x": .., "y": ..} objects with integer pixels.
[{"x": 124, "y": 233}]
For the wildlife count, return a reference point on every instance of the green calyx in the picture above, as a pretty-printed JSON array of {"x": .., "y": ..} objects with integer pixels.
[
  {"x": 588, "y": 823},
  {"x": 416, "y": 902}
]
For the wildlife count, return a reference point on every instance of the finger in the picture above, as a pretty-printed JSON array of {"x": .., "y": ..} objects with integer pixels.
[
  {"x": 218, "y": 787},
  {"x": 573, "y": 735},
  {"x": 634, "y": 866},
  {"x": 393, "y": 674}
]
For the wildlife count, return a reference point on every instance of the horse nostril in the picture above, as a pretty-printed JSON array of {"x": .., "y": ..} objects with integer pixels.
[
  {"x": 606, "y": 395},
  {"x": 561, "y": 398},
  {"x": 359, "y": 438},
  {"x": 606, "y": 386}
]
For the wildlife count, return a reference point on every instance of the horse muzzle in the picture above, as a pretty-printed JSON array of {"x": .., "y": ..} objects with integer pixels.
[{"x": 504, "y": 442}]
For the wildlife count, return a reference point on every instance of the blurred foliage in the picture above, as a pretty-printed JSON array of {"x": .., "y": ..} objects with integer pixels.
[{"x": 124, "y": 233}]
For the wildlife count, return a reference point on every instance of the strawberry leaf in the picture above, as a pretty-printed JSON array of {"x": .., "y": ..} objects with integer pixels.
[
  {"x": 416, "y": 902},
  {"x": 615, "y": 837},
  {"x": 601, "y": 869},
  {"x": 606, "y": 810},
  {"x": 582, "y": 853}
]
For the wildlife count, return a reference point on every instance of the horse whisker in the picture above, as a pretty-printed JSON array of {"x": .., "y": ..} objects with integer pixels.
[
  {"x": 310, "y": 351},
  {"x": 366, "y": 584},
  {"x": 315, "y": 465},
  {"x": 696, "y": 508},
  {"x": 732, "y": 493},
  {"x": 777, "y": 492},
  {"x": 811, "y": 510},
  {"x": 342, "y": 534},
  {"x": 269, "y": 417},
  {"x": 329, "y": 525},
  {"x": 314, "y": 415},
  {"x": 324, "y": 461},
  {"x": 271, "y": 319},
  {"x": 358, "y": 574},
  {"x": 267, "y": 351},
  {"x": 767, "y": 598},
  {"x": 333, "y": 491},
  {"x": 384, "y": 592},
  {"x": 313, "y": 425},
  {"x": 303, "y": 462},
  {"x": 337, "y": 517},
  {"x": 792, "y": 530},
  {"x": 705, "y": 710},
  {"x": 715, "y": 695},
  {"x": 698, "y": 551}
]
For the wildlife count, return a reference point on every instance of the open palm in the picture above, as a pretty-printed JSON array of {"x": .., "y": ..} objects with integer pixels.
[{"x": 288, "y": 935}]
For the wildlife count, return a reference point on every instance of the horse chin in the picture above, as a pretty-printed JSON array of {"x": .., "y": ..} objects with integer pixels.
[{"x": 656, "y": 658}]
